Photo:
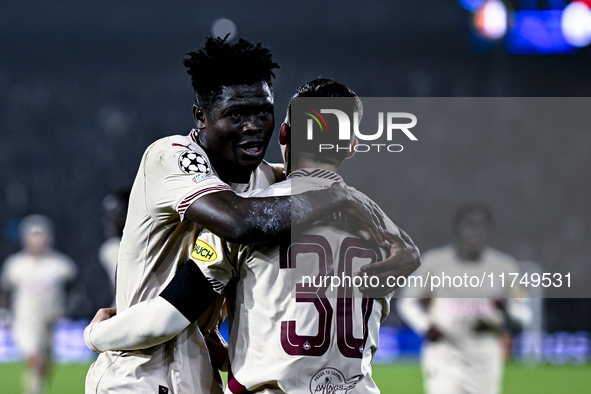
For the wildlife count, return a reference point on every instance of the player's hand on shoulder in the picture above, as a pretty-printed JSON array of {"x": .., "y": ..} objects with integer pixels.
[
  {"x": 104, "y": 314},
  {"x": 404, "y": 259},
  {"x": 365, "y": 210}
]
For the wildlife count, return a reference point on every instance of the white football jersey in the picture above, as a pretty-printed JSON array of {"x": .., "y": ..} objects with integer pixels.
[
  {"x": 157, "y": 240},
  {"x": 38, "y": 296},
  {"x": 457, "y": 309},
  {"x": 287, "y": 337},
  {"x": 466, "y": 359}
]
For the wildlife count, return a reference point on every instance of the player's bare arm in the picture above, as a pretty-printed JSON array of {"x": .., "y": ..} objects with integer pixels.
[
  {"x": 252, "y": 220},
  {"x": 175, "y": 308}
]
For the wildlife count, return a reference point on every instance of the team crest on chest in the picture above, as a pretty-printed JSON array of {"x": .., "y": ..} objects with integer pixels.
[
  {"x": 192, "y": 162},
  {"x": 330, "y": 381}
]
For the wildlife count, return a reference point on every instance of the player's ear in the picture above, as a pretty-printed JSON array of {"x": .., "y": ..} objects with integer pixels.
[
  {"x": 199, "y": 116},
  {"x": 353, "y": 146},
  {"x": 284, "y": 134}
]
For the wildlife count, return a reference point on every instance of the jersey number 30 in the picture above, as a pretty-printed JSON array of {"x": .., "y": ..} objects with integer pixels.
[{"x": 306, "y": 345}]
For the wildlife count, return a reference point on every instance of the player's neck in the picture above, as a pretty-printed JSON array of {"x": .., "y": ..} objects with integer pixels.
[
  {"x": 466, "y": 254},
  {"x": 36, "y": 253},
  {"x": 228, "y": 172},
  {"x": 230, "y": 175},
  {"x": 306, "y": 163}
]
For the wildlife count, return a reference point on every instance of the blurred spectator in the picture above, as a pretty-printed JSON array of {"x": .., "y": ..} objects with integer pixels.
[
  {"x": 115, "y": 209},
  {"x": 465, "y": 341},
  {"x": 34, "y": 283}
]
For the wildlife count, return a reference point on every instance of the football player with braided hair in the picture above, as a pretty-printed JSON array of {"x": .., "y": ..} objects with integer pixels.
[
  {"x": 270, "y": 301},
  {"x": 186, "y": 184}
]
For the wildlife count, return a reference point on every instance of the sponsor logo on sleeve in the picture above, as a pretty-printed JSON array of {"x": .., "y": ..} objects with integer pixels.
[
  {"x": 200, "y": 178},
  {"x": 330, "y": 381},
  {"x": 204, "y": 252},
  {"x": 192, "y": 162}
]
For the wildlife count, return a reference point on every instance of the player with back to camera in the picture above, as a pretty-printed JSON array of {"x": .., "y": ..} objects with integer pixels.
[
  {"x": 266, "y": 354},
  {"x": 188, "y": 183},
  {"x": 463, "y": 351},
  {"x": 37, "y": 279}
]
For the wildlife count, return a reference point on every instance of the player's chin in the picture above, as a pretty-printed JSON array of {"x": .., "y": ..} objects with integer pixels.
[{"x": 250, "y": 162}]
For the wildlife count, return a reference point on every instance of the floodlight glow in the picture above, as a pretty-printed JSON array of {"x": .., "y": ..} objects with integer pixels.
[
  {"x": 491, "y": 19},
  {"x": 576, "y": 24},
  {"x": 223, "y": 27},
  {"x": 537, "y": 32}
]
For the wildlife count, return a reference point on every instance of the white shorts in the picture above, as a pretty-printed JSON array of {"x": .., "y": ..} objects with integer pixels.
[
  {"x": 448, "y": 370},
  {"x": 33, "y": 337}
]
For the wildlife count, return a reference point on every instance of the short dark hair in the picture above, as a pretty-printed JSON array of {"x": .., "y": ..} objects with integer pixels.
[
  {"x": 470, "y": 207},
  {"x": 219, "y": 63},
  {"x": 325, "y": 87}
]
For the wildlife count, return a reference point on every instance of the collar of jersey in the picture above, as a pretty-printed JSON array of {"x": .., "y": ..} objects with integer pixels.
[
  {"x": 193, "y": 135},
  {"x": 315, "y": 173}
]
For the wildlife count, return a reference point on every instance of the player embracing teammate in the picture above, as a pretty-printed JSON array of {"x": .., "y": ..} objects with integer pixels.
[{"x": 185, "y": 184}]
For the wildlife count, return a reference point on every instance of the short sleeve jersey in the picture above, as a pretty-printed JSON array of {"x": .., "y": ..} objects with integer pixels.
[
  {"x": 286, "y": 337},
  {"x": 157, "y": 240}
]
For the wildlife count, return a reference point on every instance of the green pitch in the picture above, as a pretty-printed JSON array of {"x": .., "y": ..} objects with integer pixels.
[
  {"x": 518, "y": 379},
  {"x": 65, "y": 378},
  {"x": 391, "y": 378}
]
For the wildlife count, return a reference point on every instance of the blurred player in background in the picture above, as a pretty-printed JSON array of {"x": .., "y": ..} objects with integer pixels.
[
  {"x": 188, "y": 183},
  {"x": 337, "y": 332},
  {"x": 463, "y": 350},
  {"x": 36, "y": 279},
  {"x": 115, "y": 210}
]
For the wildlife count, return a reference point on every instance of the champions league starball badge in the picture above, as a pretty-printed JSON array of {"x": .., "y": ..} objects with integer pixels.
[{"x": 191, "y": 162}]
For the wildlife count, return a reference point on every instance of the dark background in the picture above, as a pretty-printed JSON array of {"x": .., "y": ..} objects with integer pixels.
[{"x": 86, "y": 86}]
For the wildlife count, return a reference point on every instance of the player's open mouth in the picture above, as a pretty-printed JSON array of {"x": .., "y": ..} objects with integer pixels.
[{"x": 252, "y": 148}]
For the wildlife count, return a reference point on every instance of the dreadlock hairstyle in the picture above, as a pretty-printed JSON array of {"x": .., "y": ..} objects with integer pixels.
[{"x": 219, "y": 63}]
